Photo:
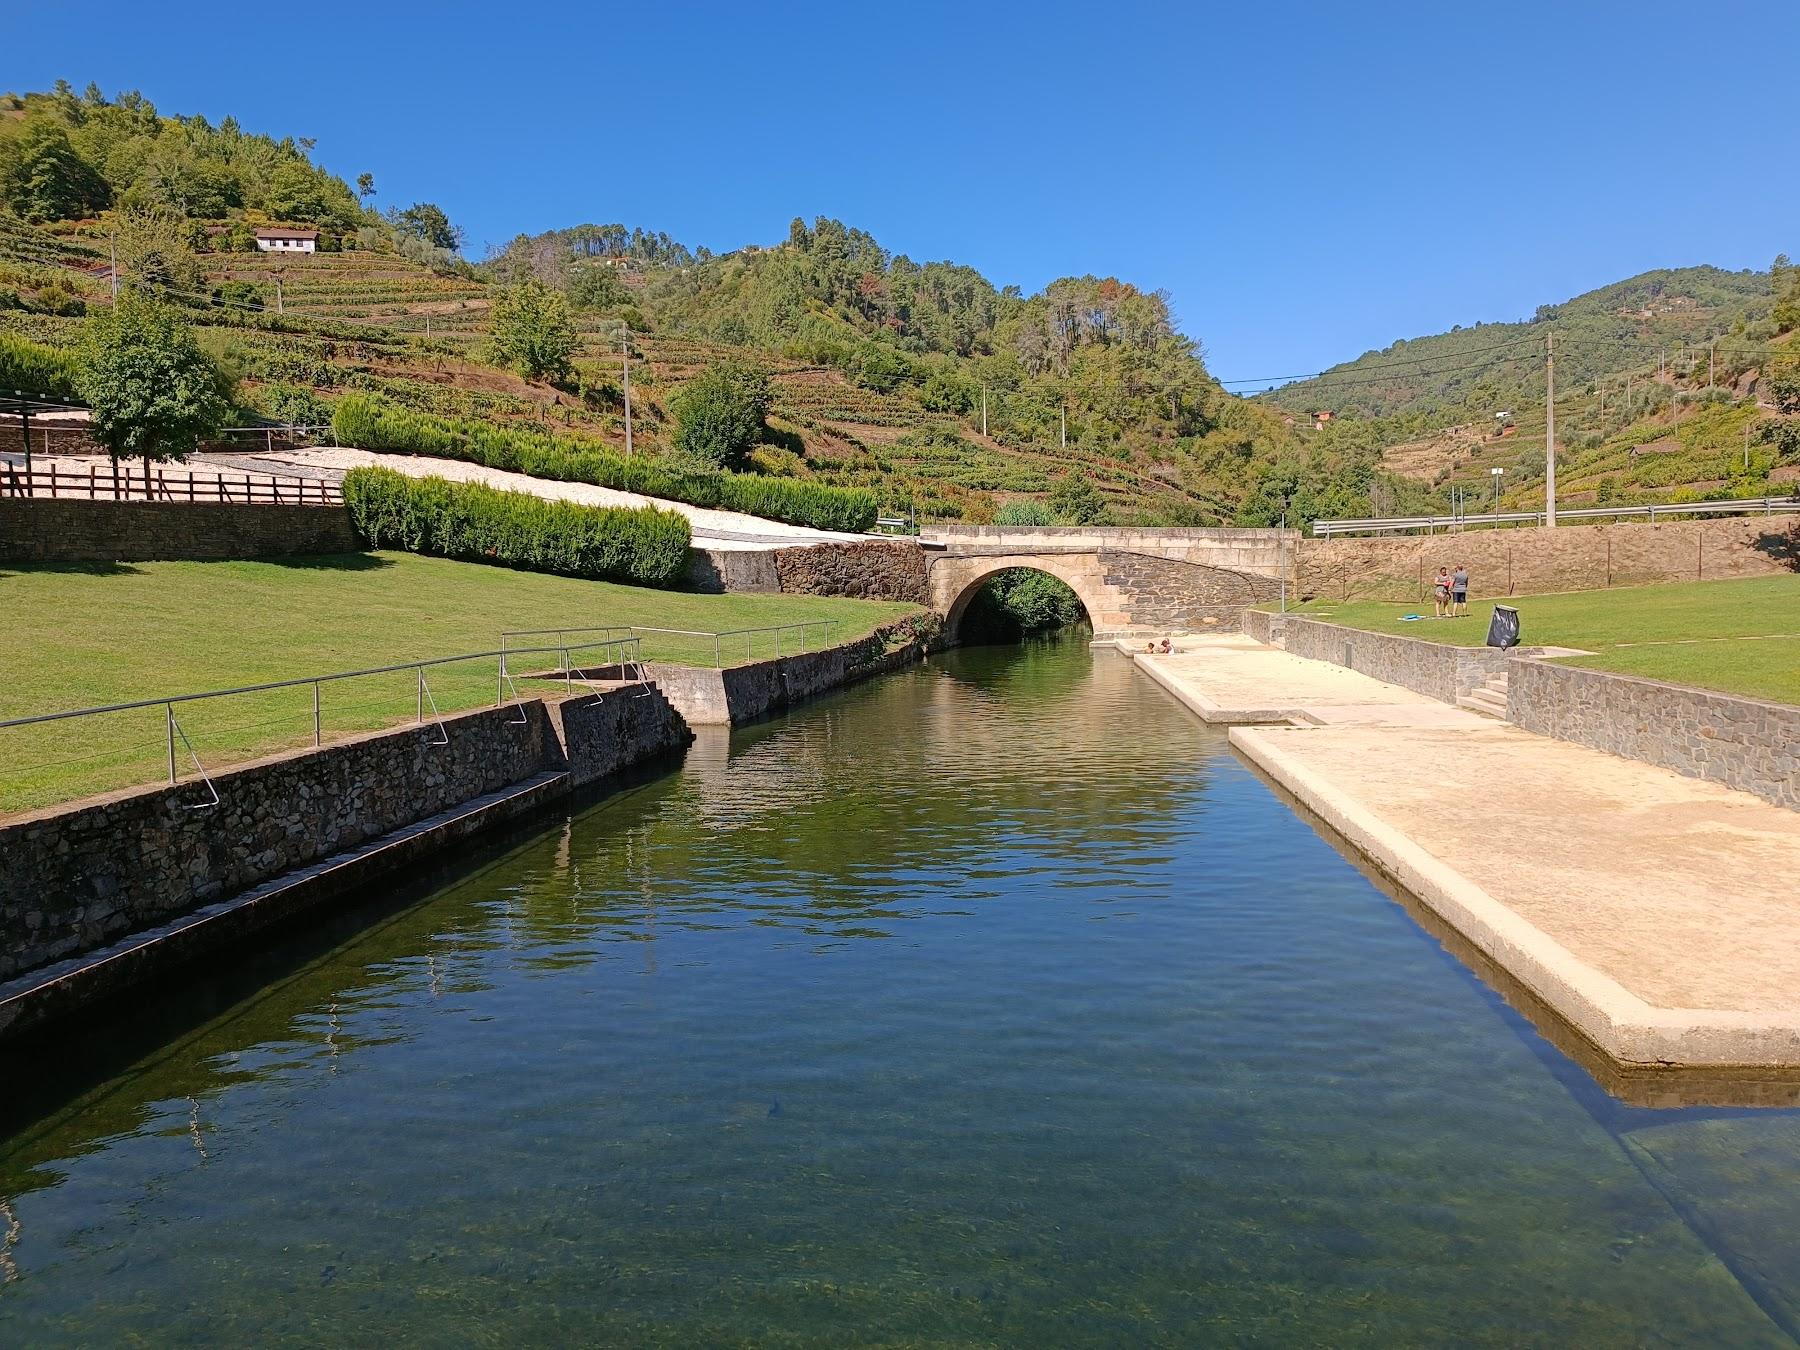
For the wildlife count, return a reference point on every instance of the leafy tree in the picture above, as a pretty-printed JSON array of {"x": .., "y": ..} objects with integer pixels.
[
  {"x": 156, "y": 253},
  {"x": 596, "y": 286},
  {"x": 1076, "y": 500},
  {"x": 1785, "y": 279},
  {"x": 1784, "y": 382},
  {"x": 365, "y": 186},
  {"x": 427, "y": 221},
  {"x": 532, "y": 332},
  {"x": 45, "y": 179},
  {"x": 719, "y": 414},
  {"x": 154, "y": 392}
]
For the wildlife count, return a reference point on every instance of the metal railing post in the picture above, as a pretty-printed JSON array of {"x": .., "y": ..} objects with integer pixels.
[
  {"x": 317, "y": 738},
  {"x": 420, "y": 672},
  {"x": 169, "y": 715}
]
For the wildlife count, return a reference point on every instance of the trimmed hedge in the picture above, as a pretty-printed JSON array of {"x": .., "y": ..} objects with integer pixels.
[
  {"x": 372, "y": 423},
  {"x": 33, "y": 368},
  {"x": 644, "y": 545}
]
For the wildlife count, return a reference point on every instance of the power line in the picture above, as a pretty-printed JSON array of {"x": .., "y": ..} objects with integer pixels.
[{"x": 1411, "y": 360}]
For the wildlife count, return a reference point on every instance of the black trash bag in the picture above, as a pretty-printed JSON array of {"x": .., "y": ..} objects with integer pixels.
[{"x": 1503, "y": 628}]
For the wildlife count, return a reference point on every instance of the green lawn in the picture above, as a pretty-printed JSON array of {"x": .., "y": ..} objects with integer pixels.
[
  {"x": 82, "y": 636},
  {"x": 1742, "y": 637}
]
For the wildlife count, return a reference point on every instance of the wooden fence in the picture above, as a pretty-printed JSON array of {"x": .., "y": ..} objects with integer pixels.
[{"x": 123, "y": 482}]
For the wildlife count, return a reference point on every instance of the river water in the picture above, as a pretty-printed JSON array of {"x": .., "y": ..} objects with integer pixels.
[{"x": 990, "y": 1002}]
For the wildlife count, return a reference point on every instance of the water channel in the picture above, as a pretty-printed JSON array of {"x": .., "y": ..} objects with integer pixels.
[{"x": 994, "y": 1001}]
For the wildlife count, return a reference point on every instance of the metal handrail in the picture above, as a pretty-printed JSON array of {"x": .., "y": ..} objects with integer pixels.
[
  {"x": 718, "y": 636},
  {"x": 1732, "y": 506},
  {"x": 627, "y": 647}
]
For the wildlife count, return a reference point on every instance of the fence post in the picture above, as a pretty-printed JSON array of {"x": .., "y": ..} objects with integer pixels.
[
  {"x": 420, "y": 672},
  {"x": 169, "y": 715},
  {"x": 316, "y": 738}
]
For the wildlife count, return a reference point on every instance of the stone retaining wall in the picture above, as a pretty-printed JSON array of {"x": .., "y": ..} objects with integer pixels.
[
  {"x": 1742, "y": 743},
  {"x": 707, "y": 697},
  {"x": 75, "y": 878},
  {"x": 715, "y": 570},
  {"x": 871, "y": 570},
  {"x": 1538, "y": 561},
  {"x": 1435, "y": 669},
  {"x": 62, "y": 530}
]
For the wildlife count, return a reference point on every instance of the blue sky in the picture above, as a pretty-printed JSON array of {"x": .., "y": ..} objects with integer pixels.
[{"x": 1308, "y": 181}]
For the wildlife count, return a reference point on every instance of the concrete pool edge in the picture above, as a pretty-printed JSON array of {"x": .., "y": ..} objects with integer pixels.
[{"x": 1622, "y": 1026}]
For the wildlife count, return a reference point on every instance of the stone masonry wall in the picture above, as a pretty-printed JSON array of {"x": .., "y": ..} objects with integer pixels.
[
  {"x": 1162, "y": 593},
  {"x": 1741, "y": 743},
  {"x": 40, "y": 530},
  {"x": 1537, "y": 561},
  {"x": 716, "y": 570},
  {"x": 1434, "y": 669},
  {"x": 872, "y": 570},
  {"x": 73, "y": 879}
]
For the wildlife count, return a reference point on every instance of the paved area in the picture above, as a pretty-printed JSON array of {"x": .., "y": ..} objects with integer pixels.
[{"x": 1658, "y": 915}]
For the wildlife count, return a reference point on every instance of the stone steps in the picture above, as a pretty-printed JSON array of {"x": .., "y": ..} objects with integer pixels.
[{"x": 1489, "y": 700}]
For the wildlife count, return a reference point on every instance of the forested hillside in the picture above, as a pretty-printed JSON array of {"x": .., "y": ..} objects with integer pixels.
[{"x": 821, "y": 358}]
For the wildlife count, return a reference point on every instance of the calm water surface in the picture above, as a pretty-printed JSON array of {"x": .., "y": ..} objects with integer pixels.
[{"x": 993, "y": 1002}]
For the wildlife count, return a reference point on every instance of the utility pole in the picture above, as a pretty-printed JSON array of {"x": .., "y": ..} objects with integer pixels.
[
  {"x": 1709, "y": 361},
  {"x": 1065, "y": 424},
  {"x": 625, "y": 356},
  {"x": 1746, "y": 447},
  {"x": 984, "y": 409},
  {"x": 1550, "y": 430},
  {"x": 280, "y": 305},
  {"x": 1603, "y": 407},
  {"x": 112, "y": 248}
]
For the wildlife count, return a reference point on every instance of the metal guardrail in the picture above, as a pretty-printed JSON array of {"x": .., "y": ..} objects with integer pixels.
[
  {"x": 743, "y": 638},
  {"x": 1383, "y": 525},
  {"x": 155, "y": 485},
  {"x": 621, "y": 652}
]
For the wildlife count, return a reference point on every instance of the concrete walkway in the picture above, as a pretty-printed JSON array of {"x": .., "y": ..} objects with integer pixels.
[{"x": 1659, "y": 916}]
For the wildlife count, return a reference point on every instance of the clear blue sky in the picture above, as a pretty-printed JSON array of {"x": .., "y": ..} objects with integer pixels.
[{"x": 1307, "y": 180}]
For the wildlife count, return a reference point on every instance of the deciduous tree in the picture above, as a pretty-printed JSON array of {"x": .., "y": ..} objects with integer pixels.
[
  {"x": 154, "y": 393},
  {"x": 532, "y": 331}
]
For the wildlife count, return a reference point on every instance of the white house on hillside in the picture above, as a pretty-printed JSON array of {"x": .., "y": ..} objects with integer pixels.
[{"x": 280, "y": 239}]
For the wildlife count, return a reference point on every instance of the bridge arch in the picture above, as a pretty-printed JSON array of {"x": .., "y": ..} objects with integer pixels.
[{"x": 956, "y": 579}]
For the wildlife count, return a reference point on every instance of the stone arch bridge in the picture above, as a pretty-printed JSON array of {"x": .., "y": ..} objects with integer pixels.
[{"x": 1130, "y": 580}]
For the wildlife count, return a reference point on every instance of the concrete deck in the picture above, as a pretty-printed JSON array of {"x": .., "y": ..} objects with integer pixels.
[{"x": 1657, "y": 915}]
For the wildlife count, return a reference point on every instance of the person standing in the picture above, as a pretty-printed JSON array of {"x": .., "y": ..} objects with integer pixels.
[
  {"x": 1459, "y": 590},
  {"x": 1440, "y": 591}
]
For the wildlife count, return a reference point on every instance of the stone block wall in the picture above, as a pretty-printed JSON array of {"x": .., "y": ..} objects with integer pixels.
[
  {"x": 869, "y": 570},
  {"x": 1163, "y": 593},
  {"x": 716, "y": 570},
  {"x": 75, "y": 878},
  {"x": 1434, "y": 669},
  {"x": 1741, "y": 743},
  {"x": 1539, "y": 561},
  {"x": 42, "y": 530}
]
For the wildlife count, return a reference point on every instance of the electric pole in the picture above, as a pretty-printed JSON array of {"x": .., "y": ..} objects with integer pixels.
[
  {"x": 280, "y": 306},
  {"x": 1065, "y": 424},
  {"x": 1709, "y": 362},
  {"x": 984, "y": 410},
  {"x": 112, "y": 248},
  {"x": 625, "y": 355},
  {"x": 1550, "y": 430}
]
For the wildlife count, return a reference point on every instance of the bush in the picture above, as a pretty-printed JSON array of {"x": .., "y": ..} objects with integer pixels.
[
  {"x": 1023, "y": 513},
  {"x": 375, "y": 424},
  {"x": 645, "y": 546},
  {"x": 719, "y": 413},
  {"x": 32, "y": 368}
]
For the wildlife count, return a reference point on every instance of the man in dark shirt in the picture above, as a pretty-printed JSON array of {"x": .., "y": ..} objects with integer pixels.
[{"x": 1459, "y": 590}]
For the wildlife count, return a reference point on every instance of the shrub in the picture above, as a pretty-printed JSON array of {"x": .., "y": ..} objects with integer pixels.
[
  {"x": 645, "y": 546},
  {"x": 530, "y": 331},
  {"x": 33, "y": 368},
  {"x": 719, "y": 413},
  {"x": 376, "y": 424},
  {"x": 1024, "y": 513}
]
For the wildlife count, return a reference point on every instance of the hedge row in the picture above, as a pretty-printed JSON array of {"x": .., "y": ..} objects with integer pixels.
[
  {"x": 644, "y": 545},
  {"x": 376, "y": 424},
  {"x": 33, "y": 368}
]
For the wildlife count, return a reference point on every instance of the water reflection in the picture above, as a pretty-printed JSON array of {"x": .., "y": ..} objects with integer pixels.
[{"x": 992, "y": 1001}]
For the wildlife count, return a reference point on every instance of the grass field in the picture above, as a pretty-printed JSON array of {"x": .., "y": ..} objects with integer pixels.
[
  {"x": 1742, "y": 637},
  {"x": 84, "y": 636}
]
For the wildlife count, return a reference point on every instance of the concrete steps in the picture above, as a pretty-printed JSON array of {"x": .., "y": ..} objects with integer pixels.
[{"x": 1489, "y": 700}]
